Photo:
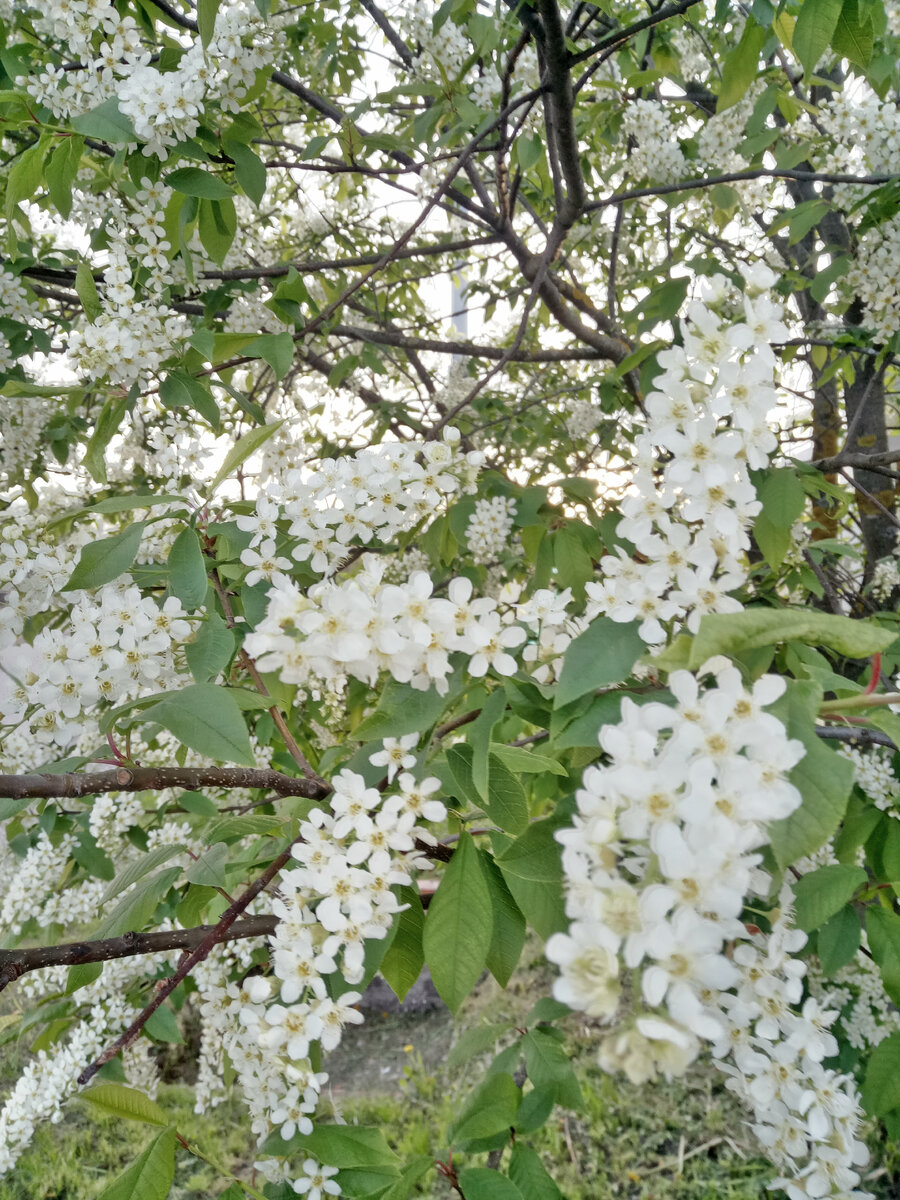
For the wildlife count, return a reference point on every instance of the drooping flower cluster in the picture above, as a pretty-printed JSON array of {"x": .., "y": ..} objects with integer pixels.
[
  {"x": 490, "y": 528},
  {"x": 874, "y": 774},
  {"x": 662, "y": 853},
  {"x": 693, "y": 501},
  {"x": 337, "y": 898},
  {"x": 363, "y": 626}
]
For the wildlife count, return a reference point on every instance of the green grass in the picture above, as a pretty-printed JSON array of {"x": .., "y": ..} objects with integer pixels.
[{"x": 680, "y": 1141}]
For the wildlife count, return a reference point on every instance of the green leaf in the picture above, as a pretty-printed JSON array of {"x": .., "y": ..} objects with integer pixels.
[
  {"x": 508, "y": 936},
  {"x": 734, "y": 633},
  {"x": 211, "y": 650},
  {"x": 409, "y": 1177},
  {"x": 822, "y": 777},
  {"x": 138, "y": 868},
  {"x": 401, "y": 709},
  {"x": 532, "y": 869},
  {"x": 337, "y": 1146},
  {"x": 458, "y": 926},
  {"x": 217, "y": 226},
  {"x": 107, "y": 424},
  {"x": 479, "y": 739},
  {"x": 605, "y": 653},
  {"x": 530, "y": 1175},
  {"x": 883, "y": 932},
  {"x": 404, "y": 959},
  {"x": 506, "y": 803},
  {"x": 549, "y": 1067},
  {"x": 206, "y": 19},
  {"x": 209, "y": 868},
  {"x": 150, "y": 1176},
  {"x": 526, "y": 762},
  {"x": 475, "y": 1041},
  {"x": 25, "y": 177},
  {"x": 87, "y": 292},
  {"x": 187, "y": 570},
  {"x": 124, "y": 1102},
  {"x": 206, "y": 718},
  {"x": 838, "y": 940},
  {"x": 881, "y": 1087},
  {"x": 234, "y": 829},
  {"x": 81, "y": 975},
  {"x": 821, "y": 284},
  {"x": 783, "y": 500},
  {"x": 181, "y": 390},
  {"x": 814, "y": 30},
  {"x": 277, "y": 349},
  {"x": 242, "y": 449},
  {"x": 249, "y": 170},
  {"x": 106, "y": 124},
  {"x": 481, "y": 1183},
  {"x": 191, "y": 181},
  {"x": 741, "y": 65},
  {"x": 60, "y": 171},
  {"x": 162, "y": 1026},
  {"x": 853, "y": 38},
  {"x": 573, "y": 564},
  {"x": 136, "y": 908},
  {"x": 106, "y": 559},
  {"x": 491, "y": 1108},
  {"x": 823, "y": 892}
]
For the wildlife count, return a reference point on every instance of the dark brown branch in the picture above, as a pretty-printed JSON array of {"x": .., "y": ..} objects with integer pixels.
[
  {"x": 16, "y": 963},
  {"x": 685, "y": 185},
  {"x": 619, "y": 36},
  {"x": 850, "y": 733},
  {"x": 383, "y": 337},
  {"x": 869, "y": 462},
  {"x": 155, "y": 779},
  {"x": 561, "y": 107},
  {"x": 389, "y": 31}
]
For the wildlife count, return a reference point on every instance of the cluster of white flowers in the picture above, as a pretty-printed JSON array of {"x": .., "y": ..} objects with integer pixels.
[
  {"x": 165, "y": 106},
  {"x": 583, "y": 418},
  {"x": 490, "y": 528},
  {"x": 873, "y": 774},
  {"x": 656, "y": 153},
  {"x": 662, "y": 853},
  {"x": 806, "y": 1116},
  {"x": 344, "y": 502},
  {"x": 135, "y": 331},
  {"x": 50, "y": 1078},
  {"x": 544, "y": 613},
  {"x": 868, "y": 1015},
  {"x": 115, "y": 644},
  {"x": 692, "y": 501},
  {"x": 885, "y": 578},
  {"x": 445, "y": 52},
  {"x": 363, "y": 626},
  {"x": 337, "y": 898},
  {"x": 874, "y": 277}
]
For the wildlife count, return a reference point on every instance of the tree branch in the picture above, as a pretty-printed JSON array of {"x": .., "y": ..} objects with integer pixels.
[
  {"x": 16, "y": 963},
  {"x": 154, "y": 779},
  {"x": 619, "y": 36},
  {"x": 383, "y": 337},
  {"x": 562, "y": 106},
  {"x": 665, "y": 189}
]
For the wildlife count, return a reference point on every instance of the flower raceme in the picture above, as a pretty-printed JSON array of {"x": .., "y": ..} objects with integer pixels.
[{"x": 663, "y": 852}]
